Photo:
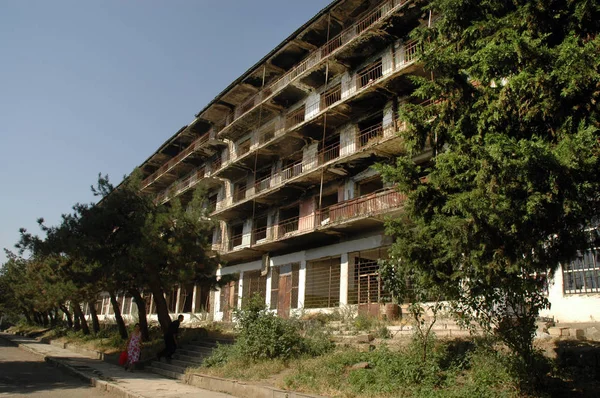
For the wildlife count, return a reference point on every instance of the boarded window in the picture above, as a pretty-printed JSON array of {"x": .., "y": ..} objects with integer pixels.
[
  {"x": 229, "y": 296},
  {"x": 253, "y": 284},
  {"x": 323, "y": 283}
]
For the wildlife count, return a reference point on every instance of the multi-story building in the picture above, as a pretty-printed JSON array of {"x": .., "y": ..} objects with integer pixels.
[{"x": 287, "y": 152}]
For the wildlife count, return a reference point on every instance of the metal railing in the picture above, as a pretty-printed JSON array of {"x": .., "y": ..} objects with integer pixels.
[
  {"x": 380, "y": 12},
  {"x": 176, "y": 160},
  {"x": 369, "y": 205}
]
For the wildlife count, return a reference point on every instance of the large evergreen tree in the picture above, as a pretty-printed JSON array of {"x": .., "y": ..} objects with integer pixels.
[{"x": 509, "y": 109}]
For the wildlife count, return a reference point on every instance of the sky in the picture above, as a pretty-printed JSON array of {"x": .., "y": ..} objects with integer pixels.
[{"x": 96, "y": 86}]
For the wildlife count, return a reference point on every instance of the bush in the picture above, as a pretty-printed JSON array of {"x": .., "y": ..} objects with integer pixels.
[{"x": 263, "y": 335}]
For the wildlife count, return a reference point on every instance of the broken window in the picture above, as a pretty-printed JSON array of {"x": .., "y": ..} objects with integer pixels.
[
  {"x": 236, "y": 235},
  {"x": 288, "y": 219},
  {"x": 368, "y": 186},
  {"x": 260, "y": 228},
  {"x": 239, "y": 190},
  {"x": 331, "y": 148},
  {"x": 253, "y": 283},
  {"x": 369, "y": 74},
  {"x": 322, "y": 283},
  {"x": 243, "y": 146},
  {"x": 370, "y": 129}
]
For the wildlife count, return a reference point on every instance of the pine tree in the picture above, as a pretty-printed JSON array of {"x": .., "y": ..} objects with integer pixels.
[{"x": 508, "y": 107}]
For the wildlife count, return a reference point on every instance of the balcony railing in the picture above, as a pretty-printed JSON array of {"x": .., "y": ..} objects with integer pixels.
[
  {"x": 175, "y": 161},
  {"x": 366, "y": 137},
  {"x": 382, "y": 11},
  {"x": 376, "y": 203}
]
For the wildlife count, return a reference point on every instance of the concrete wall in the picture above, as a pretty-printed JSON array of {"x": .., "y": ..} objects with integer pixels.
[{"x": 571, "y": 307}]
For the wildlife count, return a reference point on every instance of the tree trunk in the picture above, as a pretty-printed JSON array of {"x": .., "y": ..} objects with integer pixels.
[
  {"x": 68, "y": 315},
  {"x": 141, "y": 306},
  {"x": 162, "y": 310},
  {"x": 37, "y": 319},
  {"x": 27, "y": 316},
  {"x": 45, "y": 320},
  {"x": 94, "y": 316},
  {"x": 118, "y": 317},
  {"x": 79, "y": 315}
]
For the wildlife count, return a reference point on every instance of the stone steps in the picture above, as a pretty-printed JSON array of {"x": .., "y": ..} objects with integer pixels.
[{"x": 189, "y": 355}]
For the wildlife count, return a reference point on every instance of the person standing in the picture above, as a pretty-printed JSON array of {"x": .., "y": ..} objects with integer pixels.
[
  {"x": 134, "y": 348},
  {"x": 171, "y": 339}
]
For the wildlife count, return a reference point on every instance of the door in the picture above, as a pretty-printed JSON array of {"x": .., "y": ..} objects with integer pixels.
[
  {"x": 228, "y": 299},
  {"x": 369, "y": 288},
  {"x": 285, "y": 296}
]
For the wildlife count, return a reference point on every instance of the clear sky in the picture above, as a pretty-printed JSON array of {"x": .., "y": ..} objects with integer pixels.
[{"x": 89, "y": 86}]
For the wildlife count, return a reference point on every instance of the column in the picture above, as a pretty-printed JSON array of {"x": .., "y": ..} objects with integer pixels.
[
  {"x": 240, "y": 289},
  {"x": 344, "y": 279},
  {"x": 301, "y": 283},
  {"x": 194, "y": 295}
]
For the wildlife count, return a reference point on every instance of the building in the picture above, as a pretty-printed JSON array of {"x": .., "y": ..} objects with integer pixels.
[{"x": 287, "y": 152}]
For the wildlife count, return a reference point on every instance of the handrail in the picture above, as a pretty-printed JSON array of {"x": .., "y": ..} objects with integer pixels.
[
  {"x": 363, "y": 206},
  {"x": 175, "y": 160},
  {"x": 383, "y": 10}
]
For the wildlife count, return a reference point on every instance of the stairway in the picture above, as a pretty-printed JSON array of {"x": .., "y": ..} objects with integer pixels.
[{"x": 189, "y": 355}]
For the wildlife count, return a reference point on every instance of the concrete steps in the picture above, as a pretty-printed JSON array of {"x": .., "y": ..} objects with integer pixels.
[{"x": 189, "y": 355}]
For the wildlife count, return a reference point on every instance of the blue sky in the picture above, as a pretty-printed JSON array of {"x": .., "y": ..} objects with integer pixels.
[{"x": 97, "y": 86}]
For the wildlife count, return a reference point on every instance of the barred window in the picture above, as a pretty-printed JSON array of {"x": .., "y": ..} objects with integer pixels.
[
  {"x": 364, "y": 283},
  {"x": 253, "y": 283},
  {"x": 582, "y": 275},
  {"x": 323, "y": 283}
]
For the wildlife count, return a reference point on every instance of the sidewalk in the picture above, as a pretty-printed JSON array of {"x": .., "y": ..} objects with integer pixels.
[{"x": 110, "y": 378}]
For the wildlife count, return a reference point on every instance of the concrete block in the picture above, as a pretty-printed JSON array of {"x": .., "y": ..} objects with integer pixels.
[
  {"x": 558, "y": 331},
  {"x": 576, "y": 333},
  {"x": 360, "y": 365},
  {"x": 592, "y": 334},
  {"x": 364, "y": 338}
]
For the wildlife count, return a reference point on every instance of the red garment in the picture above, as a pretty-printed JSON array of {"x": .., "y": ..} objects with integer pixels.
[{"x": 123, "y": 358}]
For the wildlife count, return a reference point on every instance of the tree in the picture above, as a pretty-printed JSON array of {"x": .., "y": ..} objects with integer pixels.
[
  {"x": 511, "y": 118},
  {"x": 154, "y": 246}
]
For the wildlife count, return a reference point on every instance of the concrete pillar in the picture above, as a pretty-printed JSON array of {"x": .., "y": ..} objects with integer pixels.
[
  {"x": 240, "y": 289},
  {"x": 195, "y": 292},
  {"x": 387, "y": 61},
  {"x": 344, "y": 279},
  {"x": 178, "y": 301},
  {"x": 301, "y": 283},
  {"x": 269, "y": 284}
]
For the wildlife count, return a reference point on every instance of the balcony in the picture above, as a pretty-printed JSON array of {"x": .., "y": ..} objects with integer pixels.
[
  {"x": 340, "y": 215},
  {"x": 367, "y": 138},
  {"x": 171, "y": 164},
  {"x": 317, "y": 57}
]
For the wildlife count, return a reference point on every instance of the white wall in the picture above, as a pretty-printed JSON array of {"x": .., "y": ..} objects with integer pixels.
[{"x": 571, "y": 307}]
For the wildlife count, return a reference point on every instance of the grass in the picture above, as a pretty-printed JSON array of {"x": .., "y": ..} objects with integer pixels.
[{"x": 479, "y": 371}]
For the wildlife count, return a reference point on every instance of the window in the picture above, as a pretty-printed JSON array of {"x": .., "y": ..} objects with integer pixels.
[
  {"x": 288, "y": 220},
  {"x": 126, "y": 310},
  {"x": 582, "y": 275},
  {"x": 260, "y": 228},
  {"x": 172, "y": 300},
  {"x": 236, "y": 235},
  {"x": 253, "y": 283},
  {"x": 229, "y": 297},
  {"x": 323, "y": 283},
  {"x": 370, "y": 185},
  {"x": 243, "y": 146},
  {"x": 364, "y": 283},
  {"x": 187, "y": 294},
  {"x": 239, "y": 191}
]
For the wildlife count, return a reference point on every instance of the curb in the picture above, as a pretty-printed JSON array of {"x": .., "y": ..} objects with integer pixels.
[
  {"x": 241, "y": 388},
  {"x": 102, "y": 385}
]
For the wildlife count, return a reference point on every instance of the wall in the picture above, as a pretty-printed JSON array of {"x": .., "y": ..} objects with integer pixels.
[{"x": 571, "y": 307}]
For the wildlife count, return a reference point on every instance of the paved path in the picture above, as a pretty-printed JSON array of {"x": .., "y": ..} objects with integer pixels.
[
  {"x": 23, "y": 374},
  {"x": 109, "y": 377}
]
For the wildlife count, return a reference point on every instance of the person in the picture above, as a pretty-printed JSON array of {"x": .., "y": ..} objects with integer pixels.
[
  {"x": 171, "y": 339},
  {"x": 134, "y": 348}
]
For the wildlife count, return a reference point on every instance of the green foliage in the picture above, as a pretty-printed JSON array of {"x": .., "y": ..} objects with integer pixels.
[
  {"x": 263, "y": 335},
  {"x": 479, "y": 372},
  {"x": 512, "y": 122}
]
